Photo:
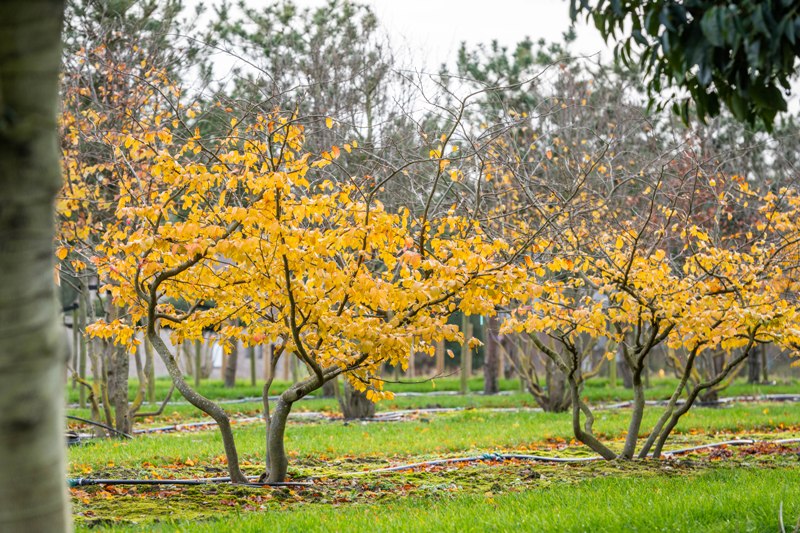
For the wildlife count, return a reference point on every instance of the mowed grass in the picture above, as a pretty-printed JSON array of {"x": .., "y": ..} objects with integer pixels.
[
  {"x": 428, "y": 435},
  {"x": 686, "y": 494},
  {"x": 215, "y": 388},
  {"x": 722, "y": 499},
  {"x": 596, "y": 390}
]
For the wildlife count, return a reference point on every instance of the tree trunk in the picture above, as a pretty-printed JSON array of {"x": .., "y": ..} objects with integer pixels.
[
  {"x": 612, "y": 372},
  {"x": 440, "y": 358},
  {"x": 33, "y": 494},
  {"x": 637, "y": 413},
  {"x": 230, "y": 367},
  {"x": 201, "y": 402},
  {"x": 354, "y": 404},
  {"x": 120, "y": 361},
  {"x": 466, "y": 355},
  {"x": 329, "y": 391},
  {"x": 251, "y": 355},
  {"x": 491, "y": 366},
  {"x": 556, "y": 398},
  {"x": 149, "y": 370},
  {"x": 626, "y": 373},
  {"x": 82, "y": 346},
  {"x": 198, "y": 362},
  {"x": 278, "y": 463}
]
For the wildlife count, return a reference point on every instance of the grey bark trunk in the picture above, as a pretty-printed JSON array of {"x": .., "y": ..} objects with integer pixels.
[
  {"x": 354, "y": 404},
  {"x": 149, "y": 370},
  {"x": 201, "y": 402},
  {"x": 121, "y": 364},
  {"x": 230, "y": 367},
  {"x": 277, "y": 461},
  {"x": 491, "y": 366},
  {"x": 466, "y": 355},
  {"x": 637, "y": 414},
  {"x": 33, "y": 494}
]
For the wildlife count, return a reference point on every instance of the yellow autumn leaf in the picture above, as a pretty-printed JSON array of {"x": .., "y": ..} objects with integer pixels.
[
  {"x": 62, "y": 252},
  {"x": 474, "y": 342},
  {"x": 329, "y": 122}
]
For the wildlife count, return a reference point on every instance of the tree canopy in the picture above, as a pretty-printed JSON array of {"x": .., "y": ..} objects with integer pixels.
[{"x": 741, "y": 54}]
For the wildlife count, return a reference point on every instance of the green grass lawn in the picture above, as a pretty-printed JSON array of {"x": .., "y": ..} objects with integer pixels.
[
  {"x": 430, "y": 435},
  {"x": 179, "y": 411},
  {"x": 596, "y": 390},
  {"x": 736, "y": 490},
  {"x": 723, "y": 499}
]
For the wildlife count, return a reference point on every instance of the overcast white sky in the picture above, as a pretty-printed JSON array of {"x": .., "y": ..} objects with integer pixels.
[{"x": 433, "y": 29}]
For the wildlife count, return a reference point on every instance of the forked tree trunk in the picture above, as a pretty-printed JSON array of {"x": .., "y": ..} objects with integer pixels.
[
  {"x": 33, "y": 495},
  {"x": 201, "y": 402}
]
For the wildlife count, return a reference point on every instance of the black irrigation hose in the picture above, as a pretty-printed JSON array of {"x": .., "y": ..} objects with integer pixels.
[
  {"x": 549, "y": 459},
  {"x": 99, "y": 424},
  {"x": 82, "y": 482}
]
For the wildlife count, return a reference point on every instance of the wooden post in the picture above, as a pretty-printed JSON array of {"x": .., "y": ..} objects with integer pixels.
[{"x": 466, "y": 356}]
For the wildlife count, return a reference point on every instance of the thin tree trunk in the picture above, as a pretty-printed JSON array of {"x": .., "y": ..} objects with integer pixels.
[
  {"x": 33, "y": 494},
  {"x": 75, "y": 347},
  {"x": 754, "y": 368},
  {"x": 201, "y": 402},
  {"x": 230, "y": 367},
  {"x": 82, "y": 343},
  {"x": 612, "y": 372},
  {"x": 198, "y": 363},
  {"x": 251, "y": 355},
  {"x": 149, "y": 370},
  {"x": 692, "y": 396},
  {"x": 491, "y": 366},
  {"x": 277, "y": 461},
  {"x": 637, "y": 413},
  {"x": 440, "y": 355},
  {"x": 120, "y": 360},
  {"x": 466, "y": 356}
]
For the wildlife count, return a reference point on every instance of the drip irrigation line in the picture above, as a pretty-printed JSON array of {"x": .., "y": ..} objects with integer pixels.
[
  {"x": 99, "y": 424},
  {"x": 499, "y": 457},
  {"x": 83, "y": 482},
  {"x": 737, "y": 442}
]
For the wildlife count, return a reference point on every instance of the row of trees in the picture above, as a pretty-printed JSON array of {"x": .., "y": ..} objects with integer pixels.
[
  {"x": 227, "y": 214},
  {"x": 738, "y": 282}
]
